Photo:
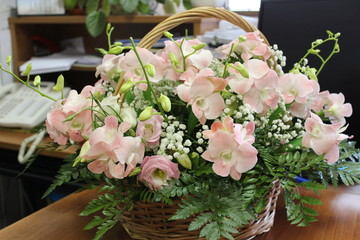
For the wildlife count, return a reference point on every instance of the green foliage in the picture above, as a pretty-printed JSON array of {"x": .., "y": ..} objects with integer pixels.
[
  {"x": 296, "y": 209},
  {"x": 129, "y": 6},
  {"x": 108, "y": 204},
  {"x": 70, "y": 173},
  {"x": 95, "y": 23}
]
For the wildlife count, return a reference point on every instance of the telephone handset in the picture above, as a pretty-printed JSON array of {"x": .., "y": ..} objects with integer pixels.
[{"x": 24, "y": 108}]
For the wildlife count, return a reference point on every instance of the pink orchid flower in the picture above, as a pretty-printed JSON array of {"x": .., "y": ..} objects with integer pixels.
[
  {"x": 241, "y": 133},
  {"x": 229, "y": 157},
  {"x": 323, "y": 138},
  {"x": 183, "y": 90},
  {"x": 263, "y": 94},
  {"x": 336, "y": 109},
  {"x": 114, "y": 154},
  {"x": 314, "y": 101},
  {"x": 110, "y": 67},
  {"x": 205, "y": 99},
  {"x": 295, "y": 87},
  {"x": 60, "y": 128},
  {"x": 257, "y": 70},
  {"x": 134, "y": 71},
  {"x": 230, "y": 147},
  {"x": 150, "y": 130},
  {"x": 157, "y": 171},
  {"x": 199, "y": 60},
  {"x": 253, "y": 46}
]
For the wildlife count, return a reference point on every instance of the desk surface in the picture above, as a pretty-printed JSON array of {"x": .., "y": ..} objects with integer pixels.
[
  {"x": 12, "y": 140},
  {"x": 339, "y": 220}
]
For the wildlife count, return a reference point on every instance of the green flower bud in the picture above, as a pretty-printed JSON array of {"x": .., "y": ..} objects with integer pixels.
[
  {"x": 146, "y": 114},
  {"x": 116, "y": 50},
  {"x": 135, "y": 171},
  {"x": 184, "y": 161},
  {"x": 37, "y": 80},
  {"x": 311, "y": 73},
  {"x": 168, "y": 35},
  {"x": 118, "y": 43},
  {"x": 59, "y": 83},
  {"x": 199, "y": 46},
  {"x": 102, "y": 51},
  {"x": 108, "y": 27},
  {"x": 84, "y": 150},
  {"x": 242, "y": 39},
  {"x": 126, "y": 85},
  {"x": 165, "y": 103},
  {"x": 241, "y": 69},
  {"x": 27, "y": 70},
  {"x": 314, "y": 51},
  {"x": 173, "y": 59},
  {"x": 150, "y": 69},
  {"x": 8, "y": 60}
]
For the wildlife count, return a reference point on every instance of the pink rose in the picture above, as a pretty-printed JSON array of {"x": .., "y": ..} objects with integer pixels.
[
  {"x": 150, "y": 130},
  {"x": 157, "y": 170}
]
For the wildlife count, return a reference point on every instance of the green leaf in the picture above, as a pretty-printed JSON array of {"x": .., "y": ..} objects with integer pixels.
[
  {"x": 192, "y": 122},
  {"x": 143, "y": 7},
  {"x": 199, "y": 221},
  {"x": 310, "y": 200},
  {"x": 169, "y": 7},
  {"x": 187, "y": 4},
  {"x": 106, "y": 7},
  {"x": 92, "y": 6},
  {"x": 95, "y": 23},
  {"x": 310, "y": 211},
  {"x": 95, "y": 222},
  {"x": 129, "y": 6},
  {"x": 260, "y": 205}
]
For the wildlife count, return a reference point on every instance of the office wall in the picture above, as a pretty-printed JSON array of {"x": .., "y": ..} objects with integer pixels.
[{"x": 5, "y": 40}]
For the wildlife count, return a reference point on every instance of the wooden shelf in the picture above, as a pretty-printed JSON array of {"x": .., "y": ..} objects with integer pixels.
[{"x": 58, "y": 28}]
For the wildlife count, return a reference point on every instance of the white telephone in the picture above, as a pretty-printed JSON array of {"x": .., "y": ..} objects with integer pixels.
[{"x": 23, "y": 107}]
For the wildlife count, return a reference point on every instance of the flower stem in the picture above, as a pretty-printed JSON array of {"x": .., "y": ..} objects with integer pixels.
[
  {"x": 27, "y": 83},
  {"x": 147, "y": 80}
]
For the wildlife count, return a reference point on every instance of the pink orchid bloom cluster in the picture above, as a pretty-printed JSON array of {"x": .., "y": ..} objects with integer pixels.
[{"x": 116, "y": 141}]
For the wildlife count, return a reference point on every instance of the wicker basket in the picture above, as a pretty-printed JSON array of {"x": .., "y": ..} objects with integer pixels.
[{"x": 149, "y": 221}]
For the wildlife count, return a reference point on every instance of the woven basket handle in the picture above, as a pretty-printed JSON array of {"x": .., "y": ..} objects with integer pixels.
[{"x": 194, "y": 14}]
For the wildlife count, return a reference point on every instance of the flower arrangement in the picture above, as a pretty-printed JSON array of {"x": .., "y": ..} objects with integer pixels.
[{"x": 214, "y": 133}]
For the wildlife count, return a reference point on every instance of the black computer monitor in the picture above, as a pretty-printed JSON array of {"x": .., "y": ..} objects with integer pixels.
[{"x": 294, "y": 24}]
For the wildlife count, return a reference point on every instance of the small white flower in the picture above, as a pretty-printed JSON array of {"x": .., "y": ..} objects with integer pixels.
[{"x": 199, "y": 149}]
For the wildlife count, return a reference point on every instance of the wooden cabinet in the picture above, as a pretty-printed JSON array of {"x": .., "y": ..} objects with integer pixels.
[{"x": 57, "y": 28}]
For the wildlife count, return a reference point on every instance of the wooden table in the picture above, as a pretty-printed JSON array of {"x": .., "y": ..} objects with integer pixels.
[
  {"x": 339, "y": 220},
  {"x": 12, "y": 139}
]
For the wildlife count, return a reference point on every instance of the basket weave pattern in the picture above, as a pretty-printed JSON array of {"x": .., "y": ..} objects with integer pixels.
[{"x": 149, "y": 221}]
